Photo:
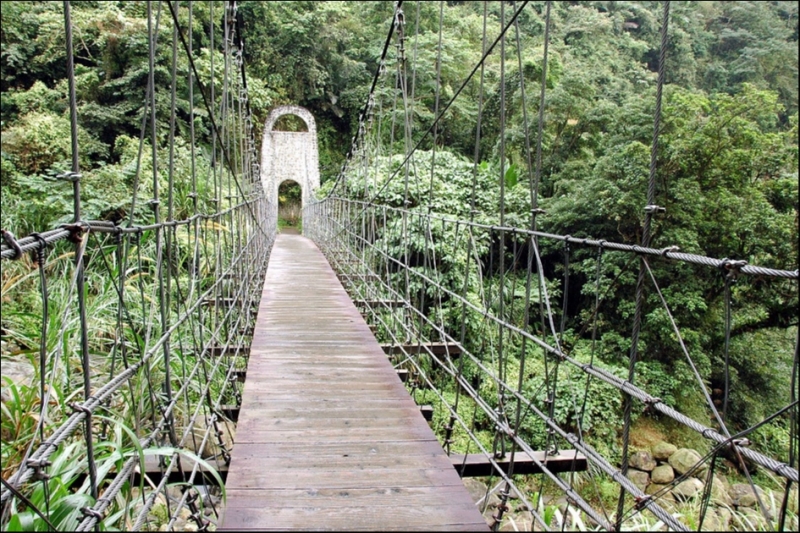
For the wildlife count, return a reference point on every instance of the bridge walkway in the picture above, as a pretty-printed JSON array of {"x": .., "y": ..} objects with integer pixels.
[{"x": 328, "y": 437}]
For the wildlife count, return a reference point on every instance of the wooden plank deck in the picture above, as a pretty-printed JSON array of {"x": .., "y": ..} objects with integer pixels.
[{"x": 328, "y": 437}]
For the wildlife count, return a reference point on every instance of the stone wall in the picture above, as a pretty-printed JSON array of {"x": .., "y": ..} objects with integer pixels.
[{"x": 289, "y": 155}]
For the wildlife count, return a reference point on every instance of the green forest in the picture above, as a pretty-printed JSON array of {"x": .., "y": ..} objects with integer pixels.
[{"x": 727, "y": 167}]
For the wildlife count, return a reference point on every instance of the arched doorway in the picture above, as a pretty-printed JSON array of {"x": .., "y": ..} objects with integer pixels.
[
  {"x": 290, "y": 207},
  {"x": 289, "y": 153}
]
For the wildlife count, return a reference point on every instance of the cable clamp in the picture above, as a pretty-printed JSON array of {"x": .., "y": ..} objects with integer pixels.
[
  {"x": 641, "y": 501},
  {"x": 731, "y": 268},
  {"x": 669, "y": 249},
  {"x": 42, "y": 241},
  {"x": 38, "y": 465},
  {"x": 650, "y": 403},
  {"x": 94, "y": 513},
  {"x": 652, "y": 209},
  {"x": 76, "y": 231},
  {"x": 12, "y": 243},
  {"x": 69, "y": 176},
  {"x": 80, "y": 408},
  {"x": 50, "y": 444}
]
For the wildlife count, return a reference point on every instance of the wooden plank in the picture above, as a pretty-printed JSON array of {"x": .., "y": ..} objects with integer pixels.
[
  {"x": 352, "y": 278},
  {"x": 267, "y": 410},
  {"x": 231, "y": 412},
  {"x": 227, "y": 302},
  {"x": 155, "y": 473},
  {"x": 311, "y": 425},
  {"x": 353, "y": 434},
  {"x": 348, "y": 517},
  {"x": 437, "y": 348},
  {"x": 379, "y": 303},
  {"x": 477, "y": 464},
  {"x": 229, "y": 351},
  {"x": 326, "y": 420},
  {"x": 343, "y": 478},
  {"x": 251, "y": 451},
  {"x": 427, "y": 412},
  {"x": 326, "y": 498}
]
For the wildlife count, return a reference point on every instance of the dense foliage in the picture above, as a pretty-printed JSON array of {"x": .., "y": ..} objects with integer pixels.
[{"x": 728, "y": 161}]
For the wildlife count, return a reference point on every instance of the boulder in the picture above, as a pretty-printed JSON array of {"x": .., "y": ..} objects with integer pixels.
[
  {"x": 719, "y": 492},
  {"x": 642, "y": 461},
  {"x": 712, "y": 522},
  {"x": 663, "y": 450},
  {"x": 486, "y": 503},
  {"x": 688, "y": 489},
  {"x": 662, "y": 474},
  {"x": 211, "y": 447},
  {"x": 741, "y": 495},
  {"x": 665, "y": 498},
  {"x": 639, "y": 478},
  {"x": 653, "y": 488},
  {"x": 684, "y": 460},
  {"x": 752, "y": 520},
  {"x": 724, "y": 516},
  {"x": 18, "y": 371}
]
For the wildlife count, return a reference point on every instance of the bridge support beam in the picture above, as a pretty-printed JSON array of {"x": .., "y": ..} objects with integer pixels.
[{"x": 477, "y": 464}]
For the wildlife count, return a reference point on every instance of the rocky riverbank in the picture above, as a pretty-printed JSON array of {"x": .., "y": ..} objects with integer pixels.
[{"x": 668, "y": 474}]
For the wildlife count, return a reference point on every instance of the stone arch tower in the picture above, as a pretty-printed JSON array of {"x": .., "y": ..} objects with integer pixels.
[{"x": 290, "y": 155}]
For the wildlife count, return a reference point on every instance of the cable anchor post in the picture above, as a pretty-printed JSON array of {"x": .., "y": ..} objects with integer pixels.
[{"x": 731, "y": 268}]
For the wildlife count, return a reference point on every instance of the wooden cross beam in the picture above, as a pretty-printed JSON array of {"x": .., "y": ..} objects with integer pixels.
[
  {"x": 477, "y": 464},
  {"x": 438, "y": 349}
]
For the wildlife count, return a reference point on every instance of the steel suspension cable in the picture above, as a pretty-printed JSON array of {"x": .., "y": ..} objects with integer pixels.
[{"x": 649, "y": 209}]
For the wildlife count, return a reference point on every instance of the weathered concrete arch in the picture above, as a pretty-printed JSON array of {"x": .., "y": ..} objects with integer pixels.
[{"x": 289, "y": 155}]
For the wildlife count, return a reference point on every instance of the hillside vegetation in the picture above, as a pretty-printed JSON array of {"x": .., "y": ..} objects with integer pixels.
[{"x": 727, "y": 165}]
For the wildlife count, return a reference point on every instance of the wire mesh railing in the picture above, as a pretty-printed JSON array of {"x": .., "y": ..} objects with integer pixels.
[
  {"x": 144, "y": 323},
  {"x": 513, "y": 332},
  {"x": 515, "y": 364}
]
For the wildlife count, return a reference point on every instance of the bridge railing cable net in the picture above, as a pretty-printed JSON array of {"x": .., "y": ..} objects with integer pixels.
[
  {"x": 145, "y": 319},
  {"x": 474, "y": 303}
]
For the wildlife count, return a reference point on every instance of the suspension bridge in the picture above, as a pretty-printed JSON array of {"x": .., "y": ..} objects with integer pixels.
[{"x": 345, "y": 378}]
